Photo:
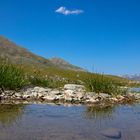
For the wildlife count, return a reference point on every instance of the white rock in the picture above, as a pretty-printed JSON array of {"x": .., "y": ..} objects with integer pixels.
[
  {"x": 54, "y": 92},
  {"x": 114, "y": 99},
  {"x": 44, "y": 90},
  {"x": 40, "y": 94},
  {"x": 25, "y": 96},
  {"x": 33, "y": 94},
  {"x": 79, "y": 95},
  {"x": 69, "y": 92},
  {"x": 92, "y": 100},
  {"x": 68, "y": 98},
  {"x": 74, "y": 87},
  {"x": 119, "y": 97},
  {"x": 17, "y": 94},
  {"x": 49, "y": 98},
  {"x": 36, "y": 88},
  {"x": 90, "y": 95},
  {"x": 104, "y": 95}
]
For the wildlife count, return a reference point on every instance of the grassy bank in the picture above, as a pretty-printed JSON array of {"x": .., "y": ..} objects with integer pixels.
[{"x": 17, "y": 76}]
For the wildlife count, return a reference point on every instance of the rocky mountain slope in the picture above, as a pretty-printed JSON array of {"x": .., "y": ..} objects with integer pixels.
[{"x": 13, "y": 53}]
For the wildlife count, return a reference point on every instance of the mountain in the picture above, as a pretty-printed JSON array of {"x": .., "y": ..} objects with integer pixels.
[
  {"x": 18, "y": 55},
  {"x": 59, "y": 62},
  {"x": 135, "y": 77}
]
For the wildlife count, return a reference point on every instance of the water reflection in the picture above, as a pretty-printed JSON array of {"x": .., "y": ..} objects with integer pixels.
[
  {"x": 134, "y": 90},
  {"x": 99, "y": 112},
  {"x": 10, "y": 113},
  {"x": 47, "y": 122}
]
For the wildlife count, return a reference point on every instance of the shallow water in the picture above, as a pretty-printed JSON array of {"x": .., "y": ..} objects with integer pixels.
[
  {"x": 135, "y": 89},
  {"x": 52, "y": 122}
]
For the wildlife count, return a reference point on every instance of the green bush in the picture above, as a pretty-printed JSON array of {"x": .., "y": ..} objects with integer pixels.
[{"x": 11, "y": 76}]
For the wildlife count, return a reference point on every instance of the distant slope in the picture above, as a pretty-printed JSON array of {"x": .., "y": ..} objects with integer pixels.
[
  {"x": 15, "y": 54},
  {"x": 135, "y": 77}
]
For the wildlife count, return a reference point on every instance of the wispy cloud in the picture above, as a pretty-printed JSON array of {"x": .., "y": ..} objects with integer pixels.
[{"x": 63, "y": 10}]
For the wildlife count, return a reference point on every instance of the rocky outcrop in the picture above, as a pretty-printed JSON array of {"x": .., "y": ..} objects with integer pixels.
[{"x": 71, "y": 93}]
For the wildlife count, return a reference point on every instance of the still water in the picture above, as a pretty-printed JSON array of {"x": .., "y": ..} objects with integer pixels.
[
  {"x": 53, "y": 122},
  {"x": 134, "y": 89}
]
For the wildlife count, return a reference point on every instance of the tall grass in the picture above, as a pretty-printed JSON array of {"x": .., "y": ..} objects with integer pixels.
[
  {"x": 48, "y": 81},
  {"x": 11, "y": 76},
  {"x": 102, "y": 84}
]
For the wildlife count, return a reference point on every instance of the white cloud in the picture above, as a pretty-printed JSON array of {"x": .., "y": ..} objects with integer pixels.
[{"x": 65, "y": 11}]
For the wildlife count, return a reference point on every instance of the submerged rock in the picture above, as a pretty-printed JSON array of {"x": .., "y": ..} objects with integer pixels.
[{"x": 111, "y": 133}]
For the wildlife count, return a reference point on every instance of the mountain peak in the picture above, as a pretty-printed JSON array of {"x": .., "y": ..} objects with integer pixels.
[{"x": 59, "y": 62}]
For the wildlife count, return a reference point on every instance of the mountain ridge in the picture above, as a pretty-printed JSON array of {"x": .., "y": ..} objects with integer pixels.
[
  {"x": 16, "y": 54},
  {"x": 63, "y": 63},
  {"x": 135, "y": 77}
]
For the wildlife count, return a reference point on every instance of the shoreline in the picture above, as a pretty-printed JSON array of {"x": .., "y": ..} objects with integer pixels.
[{"x": 71, "y": 94}]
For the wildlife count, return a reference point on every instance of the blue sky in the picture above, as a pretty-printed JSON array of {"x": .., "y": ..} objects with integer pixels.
[{"x": 99, "y": 35}]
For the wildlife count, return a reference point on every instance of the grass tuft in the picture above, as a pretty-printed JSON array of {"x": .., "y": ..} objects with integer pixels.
[
  {"x": 11, "y": 77},
  {"x": 102, "y": 84}
]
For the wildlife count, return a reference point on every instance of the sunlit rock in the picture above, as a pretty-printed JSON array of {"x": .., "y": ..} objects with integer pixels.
[{"x": 74, "y": 87}]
